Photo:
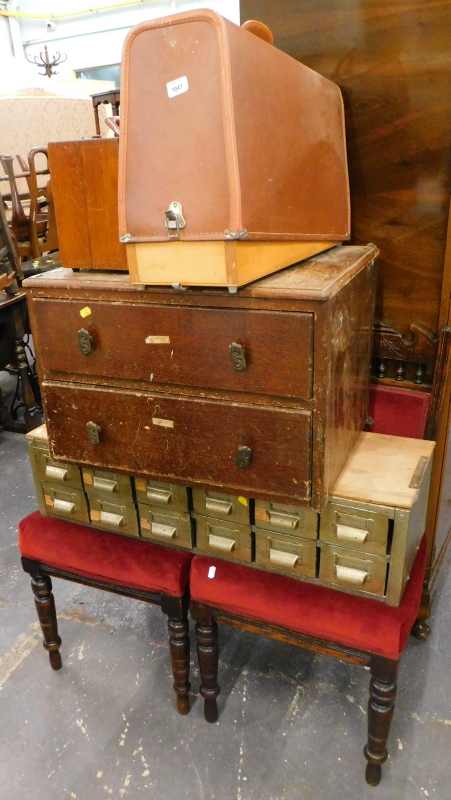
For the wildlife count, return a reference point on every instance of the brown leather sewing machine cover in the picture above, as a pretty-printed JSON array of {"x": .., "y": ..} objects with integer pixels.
[{"x": 249, "y": 141}]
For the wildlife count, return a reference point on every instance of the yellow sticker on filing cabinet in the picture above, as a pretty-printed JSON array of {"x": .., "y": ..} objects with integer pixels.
[
  {"x": 243, "y": 500},
  {"x": 85, "y": 312}
]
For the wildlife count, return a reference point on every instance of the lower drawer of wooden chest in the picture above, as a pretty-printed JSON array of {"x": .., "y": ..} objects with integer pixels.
[{"x": 248, "y": 449}]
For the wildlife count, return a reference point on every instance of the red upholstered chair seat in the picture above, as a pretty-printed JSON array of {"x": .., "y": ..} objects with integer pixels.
[
  {"x": 100, "y": 555},
  {"x": 355, "y": 622}
]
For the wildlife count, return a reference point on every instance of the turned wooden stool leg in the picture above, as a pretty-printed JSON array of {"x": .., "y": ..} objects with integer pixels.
[
  {"x": 207, "y": 651},
  {"x": 380, "y": 711},
  {"x": 45, "y": 606},
  {"x": 420, "y": 628},
  {"x": 179, "y": 647}
]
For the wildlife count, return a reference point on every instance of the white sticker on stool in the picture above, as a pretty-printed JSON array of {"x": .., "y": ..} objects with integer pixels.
[{"x": 212, "y": 572}]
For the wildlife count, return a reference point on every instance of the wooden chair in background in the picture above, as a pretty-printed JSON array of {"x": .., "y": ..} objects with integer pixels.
[
  {"x": 34, "y": 233},
  {"x": 13, "y": 329}
]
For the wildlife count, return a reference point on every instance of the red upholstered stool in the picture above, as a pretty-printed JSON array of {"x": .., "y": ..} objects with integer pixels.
[
  {"x": 346, "y": 626},
  {"x": 134, "y": 568}
]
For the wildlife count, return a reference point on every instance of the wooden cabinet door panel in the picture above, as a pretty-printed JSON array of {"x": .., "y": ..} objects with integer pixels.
[
  {"x": 182, "y": 439},
  {"x": 179, "y": 345}
]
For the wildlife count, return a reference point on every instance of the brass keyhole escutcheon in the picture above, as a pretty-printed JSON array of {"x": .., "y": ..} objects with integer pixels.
[
  {"x": 93, "y": 432},
  {"x": 244, "y": 456},
  {"x": 85, "y": 342},
  {"x": 237, "y": 357}
]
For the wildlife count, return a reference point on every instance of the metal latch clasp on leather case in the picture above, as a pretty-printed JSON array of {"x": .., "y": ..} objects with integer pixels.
[{"x": 174, "y": 220}]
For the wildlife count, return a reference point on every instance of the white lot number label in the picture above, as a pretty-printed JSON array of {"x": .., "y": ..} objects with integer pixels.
[{"x": 180, "y": 86}]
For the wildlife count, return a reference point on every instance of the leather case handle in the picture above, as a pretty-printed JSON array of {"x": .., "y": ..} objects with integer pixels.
[{"x": 258, "y": 29}]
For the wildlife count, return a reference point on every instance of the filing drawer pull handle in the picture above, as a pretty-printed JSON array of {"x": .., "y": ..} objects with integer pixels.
[
  {"x": 104, "y": 484},
  {"x": 237, "y": 357},
  {"x": 108, "y": 518},
  {"x": 85, "y": 342},
  {"x": 161, "y": 496},
  {"x": 55, "y": 473},
  {"x": 283, "y": 559},
  {"x": 347, "y": 533},
  {"x": 278, "y": 518},
  {"x": 244, "y": 456},
  {"x": 218, "y": 506},
  {"x": 93, "y": 432},
  {"x": 63, "y": 506},
  {"x": 221, "y": 543},
  {"x": 163, "y": 530},
  {"x": 350, "y": 575}
]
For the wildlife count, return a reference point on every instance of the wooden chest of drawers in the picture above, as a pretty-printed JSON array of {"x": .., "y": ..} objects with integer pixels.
[{"x": 261, "y": 394}]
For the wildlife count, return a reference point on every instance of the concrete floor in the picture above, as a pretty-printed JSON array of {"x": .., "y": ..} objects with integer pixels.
[{"x": 292, "y": 723}]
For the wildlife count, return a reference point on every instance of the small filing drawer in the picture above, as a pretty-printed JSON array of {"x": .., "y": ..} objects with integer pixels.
[
  {"x": 105, "y": 484},
  {"x": 221, "y": 506},
  {"x": 360, "y": 572},
  {"x": 46, "y": 469},
  {"x": 166, "y": 527},
  {"x": 283, "y": 553},
  {"x": 65, "y": 502},
  {"x": 166, "y": 495},
  {"x": 113, "y": 515},
  {"x": 286, "y": 519},
  {"x": 355, "y": 528},
  {"x": 228, "y": 539}
]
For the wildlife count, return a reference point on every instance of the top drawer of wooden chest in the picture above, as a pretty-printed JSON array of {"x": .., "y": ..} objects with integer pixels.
[{"x": 229, "y": 349}]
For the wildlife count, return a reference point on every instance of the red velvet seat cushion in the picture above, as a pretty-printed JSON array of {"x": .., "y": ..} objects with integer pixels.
[
  {"x": 98, "y": 554},
  {"x": 398, "y": 412},
  {"x": 306, "y": 608}
]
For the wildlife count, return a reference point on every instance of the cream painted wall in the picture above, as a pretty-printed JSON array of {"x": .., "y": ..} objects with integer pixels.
[{"x": 96, "y": 39}]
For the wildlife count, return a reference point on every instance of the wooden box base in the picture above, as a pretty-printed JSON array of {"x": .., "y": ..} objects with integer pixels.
[{"x": 229, "y": 264}]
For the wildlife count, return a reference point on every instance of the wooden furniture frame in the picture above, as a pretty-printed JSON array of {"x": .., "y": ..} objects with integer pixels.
[
  {"x": 176, "y": 609},
  {"x": 382, "y": 685},
  {"x": 13, "y": 314},
  {"x": 112, "y": 96}
]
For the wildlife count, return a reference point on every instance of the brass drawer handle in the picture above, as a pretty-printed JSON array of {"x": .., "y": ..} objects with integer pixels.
[
  {"x": 93, "y": 432},
  {"x": 85, "y": 342},
  {"x": 63, "y": 506},
  {"x": 283, "y": 520},
  {"x": 349, "y": 534},
  {"x": 104, "y": 484},
  {"x": 244, "y": 456},
  {"x": 350, "y": 575},
  {"x": 218, "y": 506},
  {"x": 55, "y": 473},
  {"x": 161, "y": 496},
  {"x": 283, "y": 559},
  {"x": 237, "y": 357},
  {"x": 163, "y": 530},
  {"x": 108, "y": 518},
  {"x": 221, "y": 543}
]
